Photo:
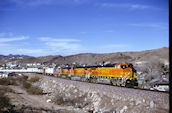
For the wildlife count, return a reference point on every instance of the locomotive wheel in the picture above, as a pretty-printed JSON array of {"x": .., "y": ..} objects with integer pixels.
[
  {"x": 119, "y": 82},
  {"x": 83, "y": 79},
  {"x": 88, "y": 80},
  {"x": 129, "y": 84},
  {"x": 114, "y": 82},
  {"x": 94, "y": 80},
  {"x": 124, "y": 84},
  {"x": 69, "y": 78}
]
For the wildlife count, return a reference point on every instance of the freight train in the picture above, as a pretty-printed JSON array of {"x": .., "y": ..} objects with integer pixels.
[{"x": 122, "y": 74}]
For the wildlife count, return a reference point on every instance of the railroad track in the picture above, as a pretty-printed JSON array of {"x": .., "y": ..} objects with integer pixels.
[{"x": 136, "y": 88}]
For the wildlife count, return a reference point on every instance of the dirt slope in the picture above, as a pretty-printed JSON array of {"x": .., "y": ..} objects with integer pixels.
[{"x": 103, "y": 98}]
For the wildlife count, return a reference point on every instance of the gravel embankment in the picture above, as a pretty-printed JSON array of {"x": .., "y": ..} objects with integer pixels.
[{"x": 104, "y": 98}]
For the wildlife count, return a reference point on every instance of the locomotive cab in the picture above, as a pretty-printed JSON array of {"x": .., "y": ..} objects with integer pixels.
[
  {"x": 134, "y": 75},
  {"x": 131, "y": 79}
]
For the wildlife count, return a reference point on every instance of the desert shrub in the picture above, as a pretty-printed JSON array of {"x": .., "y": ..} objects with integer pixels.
[
  {"x": 4, "y": 100},
  {"x": 13, "y": 82},
  {"x": 25, "y": 77},
  {"x": 34, "y": 90},
  {"x": 4, "y": 81},
  {"x": 34, "y": 79},
  {"x": 30, "y": 88},
  {"x": 77, "y": 102},
  {"x": 21, "y": 79},
  {"x": 27, "y": 85},
  {"x": 59, "y": 100},
  {"x": 5, "y": 89}
]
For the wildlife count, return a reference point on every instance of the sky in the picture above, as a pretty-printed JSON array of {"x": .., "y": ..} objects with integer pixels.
[{"x": 67, "y": 27}]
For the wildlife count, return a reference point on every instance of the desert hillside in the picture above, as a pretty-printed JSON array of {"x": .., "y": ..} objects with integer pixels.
[{"x": 93, "y": 58}]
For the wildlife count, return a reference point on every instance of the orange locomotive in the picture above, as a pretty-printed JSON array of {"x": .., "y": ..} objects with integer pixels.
[{"x": 122, "y": 74}]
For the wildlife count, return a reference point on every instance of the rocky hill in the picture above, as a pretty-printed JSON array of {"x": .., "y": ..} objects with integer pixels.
[
  {"x": 92, "y": 58},
  {"x": 14, "y": 56}
]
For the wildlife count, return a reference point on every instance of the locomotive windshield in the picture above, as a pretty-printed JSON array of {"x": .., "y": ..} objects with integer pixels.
[
  {"x": 126, "y": 66},
  {"x": 117, "y": 66},
  {"x": 123, "y": 66},
  {"x": 130, "y": 65}
]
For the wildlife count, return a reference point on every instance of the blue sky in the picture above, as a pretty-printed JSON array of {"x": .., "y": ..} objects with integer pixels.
[{"x": 66, "y": 27}]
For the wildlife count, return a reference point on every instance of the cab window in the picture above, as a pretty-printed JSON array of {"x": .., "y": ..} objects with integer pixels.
[
  {"x": 123, "y": 67},
  {"x": 117, "y": 66},
  {"x": 130, "y": 65}
]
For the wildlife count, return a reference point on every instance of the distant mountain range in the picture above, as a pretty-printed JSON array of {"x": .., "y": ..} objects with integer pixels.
[
  {"x": 91, "y": 58},
  {"x": 15, "y": 56}
]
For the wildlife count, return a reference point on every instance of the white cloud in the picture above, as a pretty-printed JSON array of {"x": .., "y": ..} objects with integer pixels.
[
  {"x": 73, "y": 46},
  {"x": 49, "y": 39},
  {"x": 6, "y": 34},
  {"x": 34, "y": 3},
  {"x": 157, "y": 25},
  {"x": 63, "y": 46},
  {"x": 112, "y": 5},
  {"x": 84, "y": 32},
  {"x": 5, "y": 50},
  {"x": 7, "y": 45},
  {"x": 126, "y": 5},
  {"x": 28, "y": 51},
  {"x": 138, "y": 6},
  {"x": 49, "y": 46},
  {"x": 19, "y": 38}
]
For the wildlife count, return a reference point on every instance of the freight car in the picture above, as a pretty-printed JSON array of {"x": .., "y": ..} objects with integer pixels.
[
  {"x": 50, "y": 71},
  {"x": 122, "y": 74}
]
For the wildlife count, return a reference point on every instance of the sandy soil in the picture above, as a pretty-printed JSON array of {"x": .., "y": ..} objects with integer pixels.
[{"x": 36, "y": 103}]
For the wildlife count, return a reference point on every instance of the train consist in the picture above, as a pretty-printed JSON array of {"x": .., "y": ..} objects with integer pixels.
[{"x": 122, "y": 74}]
